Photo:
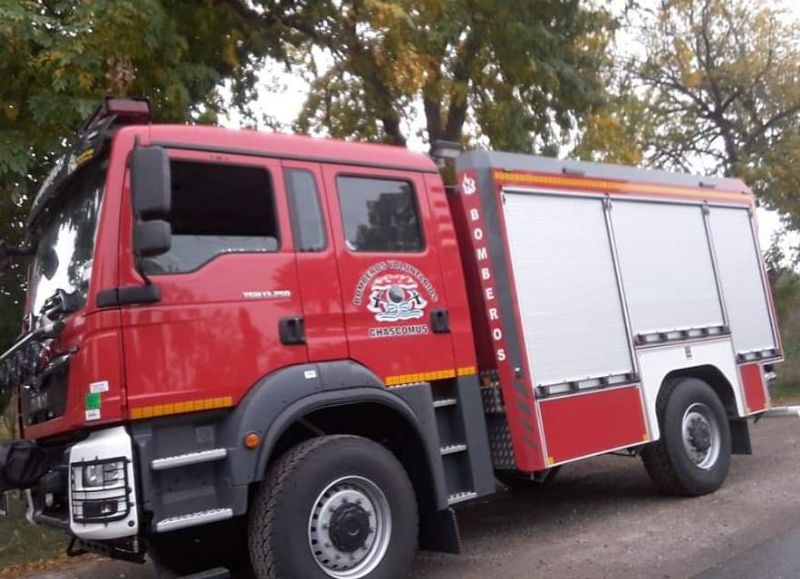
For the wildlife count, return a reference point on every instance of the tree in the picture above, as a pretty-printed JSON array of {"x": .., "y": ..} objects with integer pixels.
[
  {"x": 58, "y": 58},
  {"x": 525, "y": 71},
  {"x": 722, "y": 86}
]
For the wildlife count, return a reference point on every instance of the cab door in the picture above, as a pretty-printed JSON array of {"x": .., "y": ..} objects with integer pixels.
[
  {"x": 395, "y": 307},
  {"x": 229, "y": 290}
]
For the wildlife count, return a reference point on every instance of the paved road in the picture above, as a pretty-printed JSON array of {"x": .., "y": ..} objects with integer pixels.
[
  {"x": 777, "y": 558},
  {"x": 602, "y": 518}
]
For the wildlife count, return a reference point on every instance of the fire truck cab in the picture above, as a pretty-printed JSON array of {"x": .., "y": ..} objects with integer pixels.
[{"x": 296, "y": 354}]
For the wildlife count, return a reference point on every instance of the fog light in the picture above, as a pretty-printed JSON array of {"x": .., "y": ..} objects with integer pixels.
[{"x": 99, "y": 509}]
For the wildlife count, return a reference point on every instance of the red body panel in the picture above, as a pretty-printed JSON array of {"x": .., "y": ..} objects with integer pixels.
[
  {"x": 755, "y": 393},
  {"x": 590, "y": 423},
  {"x": 96, "y": 340},
  {"x": 492, "y": 327}
]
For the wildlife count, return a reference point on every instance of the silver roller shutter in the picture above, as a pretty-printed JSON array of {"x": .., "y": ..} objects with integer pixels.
[
  {"x": 739, "y": 268},
  {"x": 666, "y": 266},
  {"x": 569, "y": 303}
]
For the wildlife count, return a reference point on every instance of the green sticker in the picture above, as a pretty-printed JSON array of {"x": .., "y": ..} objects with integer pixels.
[{"x": 93, "y": 401}]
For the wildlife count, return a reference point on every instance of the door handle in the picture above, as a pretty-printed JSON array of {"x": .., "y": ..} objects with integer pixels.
[
  {"x": 292, "y": 330},
  {"x": 440, "y": 322}
]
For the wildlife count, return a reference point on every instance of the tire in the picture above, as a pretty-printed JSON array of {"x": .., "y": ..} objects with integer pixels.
[
  {"x": 693, "y": 456},
  {"x": 202, "y": 548},
  {"x": 346, "y": 496},
  {"x": 516, "y": 480}
]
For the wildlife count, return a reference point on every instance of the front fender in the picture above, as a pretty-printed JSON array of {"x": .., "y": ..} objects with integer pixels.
[{"x": 282, "y": 398}]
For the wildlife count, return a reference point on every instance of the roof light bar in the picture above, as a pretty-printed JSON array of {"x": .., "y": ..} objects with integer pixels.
[{"x": 137, "y": 109}]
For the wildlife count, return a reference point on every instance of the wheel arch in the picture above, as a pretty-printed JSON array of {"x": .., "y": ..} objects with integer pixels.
[
  {"x": 389, "y": 422},
  {"x": 340, "y": 397},
  {"x": 712, "y": 376},
  {"x": 719, "y": 383}
]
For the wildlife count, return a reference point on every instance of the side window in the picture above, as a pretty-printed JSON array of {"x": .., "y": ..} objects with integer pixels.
[
  {"x": 379, "y": 215},
  {"x": 308, "y": 228},
  {"x": 217, "y": 209}
]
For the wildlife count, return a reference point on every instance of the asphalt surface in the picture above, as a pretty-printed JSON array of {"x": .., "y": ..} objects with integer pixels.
[{"x": 602, "y": 518}]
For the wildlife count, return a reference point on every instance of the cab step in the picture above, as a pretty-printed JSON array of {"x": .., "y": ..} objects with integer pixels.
[
  {"x": 460, "y": 497},
  {"x": 452, "y": 449},
  {"x": 189, "y": 458},
  {"x": 444, "y": 402},
  {"x": 193, "y": 519}
]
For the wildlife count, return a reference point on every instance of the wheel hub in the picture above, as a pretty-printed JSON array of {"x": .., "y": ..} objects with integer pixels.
[
  {"x": 349, "y": 527},
  {"x": 701, "y": 436}
]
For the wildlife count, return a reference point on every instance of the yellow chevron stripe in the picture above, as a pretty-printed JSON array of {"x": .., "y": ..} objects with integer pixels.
[{"x": 181, "y": 407}]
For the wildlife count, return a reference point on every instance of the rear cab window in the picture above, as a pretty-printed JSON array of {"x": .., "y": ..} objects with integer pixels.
[{"x": 379, "y": 215}]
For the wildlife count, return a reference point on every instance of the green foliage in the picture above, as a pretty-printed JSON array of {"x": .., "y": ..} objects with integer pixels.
[
  {"x": 620, "y": 130},
  {"x": 721, "y": 87},
  {"x": 786, "y": 293},
  {"x": 58, "y": 58},
  {"x": 523, "y": 71}
]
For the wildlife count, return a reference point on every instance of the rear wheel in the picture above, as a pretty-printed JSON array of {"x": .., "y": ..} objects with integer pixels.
[
  {"x": 339, "y": 507},
  {"x": 693, "y": 455}
]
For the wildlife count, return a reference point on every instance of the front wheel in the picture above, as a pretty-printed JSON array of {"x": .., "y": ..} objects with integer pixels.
[
  {"x": 694, "y": 453},
  {"x": 339, "y": 507}
]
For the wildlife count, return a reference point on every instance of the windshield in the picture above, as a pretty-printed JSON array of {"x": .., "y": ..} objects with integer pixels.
[{"x": 64, "y": 234}]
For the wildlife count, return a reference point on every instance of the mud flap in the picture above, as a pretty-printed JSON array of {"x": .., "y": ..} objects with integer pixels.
[
  {"x": 740, "y": 437},
  {"x": 439, "y": 532}
]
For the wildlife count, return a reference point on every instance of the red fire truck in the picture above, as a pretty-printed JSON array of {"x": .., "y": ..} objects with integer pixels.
[{"x": 298, "y": 354}]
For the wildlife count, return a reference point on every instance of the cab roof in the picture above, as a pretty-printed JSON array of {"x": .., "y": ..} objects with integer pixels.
[{"x": 275, "y": 145}]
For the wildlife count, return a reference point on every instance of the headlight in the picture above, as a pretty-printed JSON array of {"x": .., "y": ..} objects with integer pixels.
[
  {"x": 102, "y": 475},
  {"x": 93, "y": 476}
]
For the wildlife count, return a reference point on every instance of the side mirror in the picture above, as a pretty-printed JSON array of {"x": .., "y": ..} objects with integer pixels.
[
  {"x": 152, "y": 238},
  {"x": 151, "y": 186}
]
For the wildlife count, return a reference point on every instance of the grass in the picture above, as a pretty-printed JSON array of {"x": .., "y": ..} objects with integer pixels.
[{"x": 23, "y": 543}]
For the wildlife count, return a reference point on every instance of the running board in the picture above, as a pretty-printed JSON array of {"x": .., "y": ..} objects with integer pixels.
[
  {"x": 193, "y": 519},
  {"x": 189, "y": 458}
]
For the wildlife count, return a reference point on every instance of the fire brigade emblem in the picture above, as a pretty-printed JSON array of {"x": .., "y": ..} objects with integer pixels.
[
  {"x": 394, "y": 291},
  {"x": 396, "y": 297}
]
